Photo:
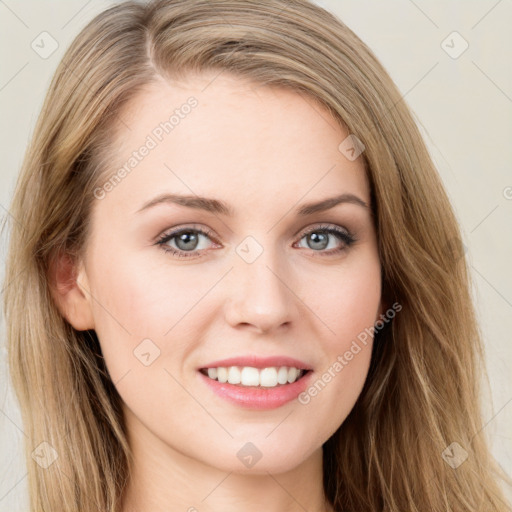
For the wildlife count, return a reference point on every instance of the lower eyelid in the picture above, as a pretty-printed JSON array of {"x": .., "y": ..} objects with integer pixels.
[{"x": 345, "y": 237}]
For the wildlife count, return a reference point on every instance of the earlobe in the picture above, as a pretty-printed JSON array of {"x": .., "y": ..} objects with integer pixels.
[{"x": 70, "y": 291}]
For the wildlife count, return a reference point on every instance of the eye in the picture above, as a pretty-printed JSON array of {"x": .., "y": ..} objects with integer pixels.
[
  {"x": 319, "y": 238},
  {"x": 187, "y": 241},
  {"x": 184, "y": 240}
]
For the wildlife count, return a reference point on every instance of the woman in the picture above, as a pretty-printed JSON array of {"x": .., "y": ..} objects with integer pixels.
[{"x": 244, "y": 280}]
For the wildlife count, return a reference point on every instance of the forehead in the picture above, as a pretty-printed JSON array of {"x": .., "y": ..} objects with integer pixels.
[{"x": 222, "y": 136}]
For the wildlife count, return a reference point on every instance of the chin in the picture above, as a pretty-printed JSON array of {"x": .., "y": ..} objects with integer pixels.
[{"x": 263, "y": 457}]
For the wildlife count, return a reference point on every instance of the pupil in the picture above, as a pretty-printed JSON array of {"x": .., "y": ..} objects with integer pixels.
[
  {"x": 319, "y": 238},
  {"x": 189, "y": 240}
]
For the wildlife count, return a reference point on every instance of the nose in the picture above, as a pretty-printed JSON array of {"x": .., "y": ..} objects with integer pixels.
[{"x": 260, "y": 295}]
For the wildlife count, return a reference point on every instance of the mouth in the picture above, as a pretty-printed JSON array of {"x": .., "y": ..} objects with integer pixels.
[
  {"x": 251, "y": 377},
  {"x": 256, "y": 382}
]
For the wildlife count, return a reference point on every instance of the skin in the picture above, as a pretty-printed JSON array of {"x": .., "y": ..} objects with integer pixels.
[{"x": 264, "y": 151}]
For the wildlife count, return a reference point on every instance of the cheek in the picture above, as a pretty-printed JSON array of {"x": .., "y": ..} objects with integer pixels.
[
  {"x": 134, "y": 306},
  {"x": 346, "y": 300},
  {"x": 144, "y": 299},
  {"x": 348, "y": 307}
]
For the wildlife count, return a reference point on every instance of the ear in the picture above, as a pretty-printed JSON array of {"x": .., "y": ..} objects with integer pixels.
[{"x": 69, "y": 288}]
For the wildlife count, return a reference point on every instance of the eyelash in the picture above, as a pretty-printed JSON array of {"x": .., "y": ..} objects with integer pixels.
[{"x": 343, "y": 235}]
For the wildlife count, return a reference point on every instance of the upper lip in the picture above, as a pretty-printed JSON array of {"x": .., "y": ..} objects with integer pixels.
[{"x": 259, "y": 362}]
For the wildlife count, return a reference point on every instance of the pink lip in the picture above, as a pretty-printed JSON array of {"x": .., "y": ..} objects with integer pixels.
[
  {"x": 258, "y": 397},
  {"x": 259, "y": 362}
]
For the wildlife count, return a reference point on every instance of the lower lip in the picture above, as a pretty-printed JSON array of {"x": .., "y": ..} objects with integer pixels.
[{"x": 260, "y": 397}]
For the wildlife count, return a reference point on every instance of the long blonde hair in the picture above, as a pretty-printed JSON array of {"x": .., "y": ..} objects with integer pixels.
[{"x": 422, "y": 391}]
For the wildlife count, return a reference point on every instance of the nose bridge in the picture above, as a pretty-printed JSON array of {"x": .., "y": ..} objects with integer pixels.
[{"x": 259, "y": 292}]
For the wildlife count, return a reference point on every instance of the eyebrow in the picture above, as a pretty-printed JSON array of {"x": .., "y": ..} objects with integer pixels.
[{"x": 220, "y": 207}]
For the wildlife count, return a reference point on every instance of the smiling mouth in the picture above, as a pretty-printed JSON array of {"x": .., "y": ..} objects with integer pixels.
[{"x": 248, "y": 376}]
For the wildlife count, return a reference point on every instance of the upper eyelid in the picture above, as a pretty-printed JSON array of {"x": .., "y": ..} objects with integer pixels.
[
  {"x": 343, "y": 234},
  {"x": 208, "y": 232},
  {"x": 321, "y": 227},
  {"x": 168, "y": 235}
]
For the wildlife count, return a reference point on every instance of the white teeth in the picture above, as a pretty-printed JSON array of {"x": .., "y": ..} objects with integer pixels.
[
  {"x": 268, "y": 377},
  {"x": 222, "y": 374},
  {"x": 292, "y": 374},
  {"x": 249, "y": 376},
  {"x": 282, "y": 375},
  {"x": 233, "y": 375}
]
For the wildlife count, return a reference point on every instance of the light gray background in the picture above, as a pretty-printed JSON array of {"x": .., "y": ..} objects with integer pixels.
[{"x": 463, "y": 106}]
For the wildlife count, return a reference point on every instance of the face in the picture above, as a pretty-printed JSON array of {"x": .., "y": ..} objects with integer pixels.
[{"x": 173, "y": 287}]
